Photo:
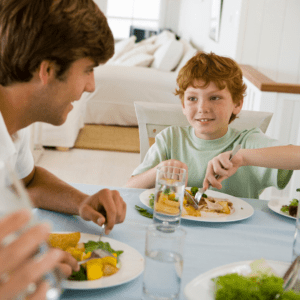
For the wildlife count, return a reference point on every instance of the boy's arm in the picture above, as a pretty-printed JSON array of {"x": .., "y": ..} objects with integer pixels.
[
  {"x": 146, "y": 180},
  {"x": 279, "y": 157}
]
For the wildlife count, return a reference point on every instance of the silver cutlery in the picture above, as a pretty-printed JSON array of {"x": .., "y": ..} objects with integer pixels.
[
  {"x": 102, "y": 232},
  {"x": 99, "y": 253},
  {"x": 191, "y": 200},
  {"x": 201, "y": 191},
  {"x": 290, "y": 277}
]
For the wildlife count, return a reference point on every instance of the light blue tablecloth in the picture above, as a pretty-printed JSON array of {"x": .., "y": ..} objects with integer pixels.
[{"x": 208, "y": 245}]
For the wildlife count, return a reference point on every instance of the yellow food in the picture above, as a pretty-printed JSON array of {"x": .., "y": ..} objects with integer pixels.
[
  {"x": 191, "y": 211},
  {"x": 76, "y": 253},
  {"x": 165, "y": 205},
  {"x": 109, "y": 260},
  {"x": 64, "y": 240},
  {"x": 109, "y": 270},
  {"x": 94, "y": 269},
  {"x": 226, "y": 209}
]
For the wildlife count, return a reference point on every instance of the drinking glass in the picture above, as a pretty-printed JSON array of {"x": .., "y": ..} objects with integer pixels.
[
  {"x": 13, "y": 197},
  {"x": 169, "y": 194},
  {"x": 296, "y": 243},
  {"x": 164, "y": 262}
]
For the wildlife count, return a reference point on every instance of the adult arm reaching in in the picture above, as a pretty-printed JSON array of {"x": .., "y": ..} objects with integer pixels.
[
  {"x": 49, "y": 192},
  {"x": 18, "y": 266}
]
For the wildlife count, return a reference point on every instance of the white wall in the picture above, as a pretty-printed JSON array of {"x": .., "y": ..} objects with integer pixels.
[
  {"x": 262, "y": 33},
  {"x": 194, "y": 25}
]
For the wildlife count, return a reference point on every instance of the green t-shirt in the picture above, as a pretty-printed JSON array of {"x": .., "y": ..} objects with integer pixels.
[{"x": 181, "y": 143}]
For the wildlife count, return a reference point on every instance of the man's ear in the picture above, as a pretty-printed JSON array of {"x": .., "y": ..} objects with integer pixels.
[{"x": 46, "y": 71}]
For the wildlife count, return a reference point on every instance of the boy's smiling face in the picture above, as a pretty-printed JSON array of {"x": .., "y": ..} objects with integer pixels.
[{"x": 209, "y": 109}]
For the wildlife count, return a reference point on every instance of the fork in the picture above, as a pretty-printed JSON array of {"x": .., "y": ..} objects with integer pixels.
[
  {"x": 102, "y": 232},
  {"x": 201, "y": 191},
  {"x": 290, "y": 276}
]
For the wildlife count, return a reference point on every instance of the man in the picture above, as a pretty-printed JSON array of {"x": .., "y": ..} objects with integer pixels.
[{"x": 47, "y": 54}]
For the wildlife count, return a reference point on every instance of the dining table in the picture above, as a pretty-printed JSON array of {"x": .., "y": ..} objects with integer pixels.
[{"x": 265, "y": 234}]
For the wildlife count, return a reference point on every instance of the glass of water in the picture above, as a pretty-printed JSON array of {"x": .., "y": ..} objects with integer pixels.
[
  {"x": 164, "y": 262},
  {"x": 13, "y": 197},
  {"x": 169, "y": 194},
  {"x": 296, "y": 242}
]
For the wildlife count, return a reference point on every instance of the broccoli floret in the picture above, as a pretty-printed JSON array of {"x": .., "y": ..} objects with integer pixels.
[{"x": 194, "y": 190}]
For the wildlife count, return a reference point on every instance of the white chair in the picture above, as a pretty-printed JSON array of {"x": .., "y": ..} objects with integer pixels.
[{"x": 154, "y": 117}]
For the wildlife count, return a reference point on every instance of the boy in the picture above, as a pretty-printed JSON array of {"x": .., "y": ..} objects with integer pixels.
[
  {"x": 284, "y": 157},
  {"x": 211, "y": 90},
  {"x": 48, "y": 52}
]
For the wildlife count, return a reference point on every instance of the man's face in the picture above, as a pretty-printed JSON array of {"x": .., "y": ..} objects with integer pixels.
[
  {"x": 57, "y": 96},
  {"x": 208, "y": 110}
]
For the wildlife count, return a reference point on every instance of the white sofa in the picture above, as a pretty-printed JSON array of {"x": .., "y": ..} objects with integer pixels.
[
  {"x": 63, "y": 136},
  {"x": 144, "y": 71}
]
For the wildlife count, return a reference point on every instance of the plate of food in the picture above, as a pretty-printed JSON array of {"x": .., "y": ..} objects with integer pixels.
[
  {"x": 216, "y": 207},
  {"x": 100, "y": 272},
  {"x": 233, "y": 278},
  {"x": 284, "y": 207}
]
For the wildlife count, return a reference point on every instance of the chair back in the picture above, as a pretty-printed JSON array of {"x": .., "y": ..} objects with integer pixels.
[{"x": 154, "y": 117}]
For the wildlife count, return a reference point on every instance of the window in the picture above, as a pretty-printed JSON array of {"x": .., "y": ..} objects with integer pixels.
[{"x": 121, "y": 14}]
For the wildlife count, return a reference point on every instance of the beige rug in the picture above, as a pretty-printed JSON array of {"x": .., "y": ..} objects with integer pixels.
[{"x": 112, "y": 138}]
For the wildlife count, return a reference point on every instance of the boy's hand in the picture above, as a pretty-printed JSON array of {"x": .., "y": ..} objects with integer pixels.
[
  {"x": 222, "y": 166},
  {"x": 175, "y": 163}
]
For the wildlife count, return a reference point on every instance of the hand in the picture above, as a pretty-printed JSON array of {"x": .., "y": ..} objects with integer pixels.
[
  {"x": 106, "y": 206},
  {"x": 67, "y": 264},
  {"x": 18, "y": 266},
  {"x": 175, "y": 163},
  {"x": 223, "y": 167}
]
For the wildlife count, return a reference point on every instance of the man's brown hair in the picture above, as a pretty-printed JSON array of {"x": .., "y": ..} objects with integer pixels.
[
  {"x": 209, "y": 67},
  {"x": 61, "y": 31}
]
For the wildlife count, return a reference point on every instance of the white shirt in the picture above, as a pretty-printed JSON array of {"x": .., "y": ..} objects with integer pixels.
[{"x": 16, "y": 149}]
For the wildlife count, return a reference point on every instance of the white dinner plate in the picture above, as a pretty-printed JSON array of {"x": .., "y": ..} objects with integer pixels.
[
  {"x": 243, "y": 210},
  {"x": 202, "y": 287},
  {"x": 276, "y": 205},
  {"x": 132, "y": 265}
]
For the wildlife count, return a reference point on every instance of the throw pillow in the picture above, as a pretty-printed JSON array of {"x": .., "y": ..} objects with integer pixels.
[
  {"x": 123, "y": 47},
  {"x": 139, "y": 60},
  {"x": 147, "y": 49},
  {"x": 167, "y": 56},
  {"x": 187, "y": 56}
]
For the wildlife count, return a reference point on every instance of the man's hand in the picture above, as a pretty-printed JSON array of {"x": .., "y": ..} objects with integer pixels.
[
  {"x": 222, "y": 166},
  {"x": 106, "y": 206},
  {"x": 18, "y": 265},
  {"x": 175, "y": 163}
]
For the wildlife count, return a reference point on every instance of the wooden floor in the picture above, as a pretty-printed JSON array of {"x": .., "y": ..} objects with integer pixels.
[{"x": 107, "y": 168}]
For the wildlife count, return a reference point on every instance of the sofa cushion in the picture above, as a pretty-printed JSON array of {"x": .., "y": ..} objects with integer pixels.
[
  {"x": 167, "y": 56},
  {"x": 189, "y": 53},
  {"x": 138, "y": 60},
  {"x": 123, "y": 47}
]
